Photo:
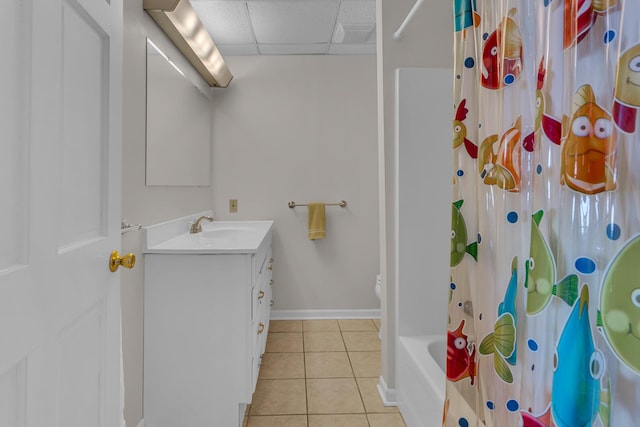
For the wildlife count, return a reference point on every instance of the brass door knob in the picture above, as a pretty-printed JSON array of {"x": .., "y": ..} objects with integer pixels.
[{"x": 115, "y": 261}]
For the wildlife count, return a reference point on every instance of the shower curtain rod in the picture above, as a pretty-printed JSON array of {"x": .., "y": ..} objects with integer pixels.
[{"x": 398, "y": 34}]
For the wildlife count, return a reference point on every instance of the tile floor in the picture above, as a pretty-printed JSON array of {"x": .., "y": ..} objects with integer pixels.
[{"x": 321, "y": 373}]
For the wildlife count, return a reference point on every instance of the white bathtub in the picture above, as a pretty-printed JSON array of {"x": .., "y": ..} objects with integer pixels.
[{"x": 420, "y": 389}]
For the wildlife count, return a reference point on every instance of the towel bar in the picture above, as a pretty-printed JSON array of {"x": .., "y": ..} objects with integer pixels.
[{"x": 341, "y": 203}]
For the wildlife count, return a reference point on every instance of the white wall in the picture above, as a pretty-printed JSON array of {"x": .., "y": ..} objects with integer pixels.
[
  {"x": 141, "y": 204},
  {"x": 303, "y": 128},
  {"x": 426, "y": 43},
  {"x": 423, "y": 194}
]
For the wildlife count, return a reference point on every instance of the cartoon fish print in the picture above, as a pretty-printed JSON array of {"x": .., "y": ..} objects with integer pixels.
[
  {"x": 620, "y": 304},
  {"x": 460, "y": 131},
  {"x": 551, "y": 126},
  {"x": 465, "y": 14},
  {"x": 502, "y": 54},
  {"x": 588, "y": 151},
  {"x": 502, "y": 168},
  {"x": 508, "y": 304},
  {"x": 540, "y": 273},
  {"x": 502, "y": 341},
  {"x": 579, "y": 17},
  {"x": 578, "y": 367},
  {"x": 542, "y": 420},
  {"x": 461, "y": 356},
  {"x": 627, "y": 90},
  {"x": 459, "y": 236}
]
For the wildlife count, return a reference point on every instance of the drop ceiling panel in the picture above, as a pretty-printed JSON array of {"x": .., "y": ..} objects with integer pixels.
[
  {"x": 352, "y": 49},
  {"x": 238, "y": 49},
  {"x": 299, "y": 26},
  {"x": 294, "y": 49},
  {"x": 284, "y": 22},
  {"x": 357, "y": 12},
  {"x": 226, "y": 21}
]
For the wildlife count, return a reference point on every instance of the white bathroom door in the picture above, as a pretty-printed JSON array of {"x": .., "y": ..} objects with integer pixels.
[{"x": 60, "y": 131}]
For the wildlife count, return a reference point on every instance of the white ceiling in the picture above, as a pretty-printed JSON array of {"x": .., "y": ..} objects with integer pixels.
[{"x": 286, "y": 27}]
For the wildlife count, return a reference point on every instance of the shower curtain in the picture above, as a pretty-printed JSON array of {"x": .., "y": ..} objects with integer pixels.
[{"x": 544, "y": 300}]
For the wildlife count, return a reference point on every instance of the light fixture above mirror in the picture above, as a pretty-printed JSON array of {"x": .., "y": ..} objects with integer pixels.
[{"x": 181, "y": 24}]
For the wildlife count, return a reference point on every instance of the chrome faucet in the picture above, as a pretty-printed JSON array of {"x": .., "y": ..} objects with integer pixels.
[{"x": 196, "y": 227}]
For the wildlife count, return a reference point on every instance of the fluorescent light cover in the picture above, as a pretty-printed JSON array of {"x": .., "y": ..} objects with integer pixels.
[{"x": 181, "y": 23}]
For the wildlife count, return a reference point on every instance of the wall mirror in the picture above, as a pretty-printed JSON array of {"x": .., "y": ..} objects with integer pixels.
[{"x": 178, "y": 146}]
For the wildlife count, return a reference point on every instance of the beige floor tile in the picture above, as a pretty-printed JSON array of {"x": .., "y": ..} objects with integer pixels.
[
  {"x": 385, "y": 420},
  {"x": 321, "y": 325},
  {"x": 356, "y": 325},
  {"x": 282, "y": 366},
  {"x": 323, "y": 341},
  {"x": 365, "y": 363},
  {"x": 361, "y": 341},
  {"x": 377, "y": 323},
  {"x": 285, "y": 326},
  {"x": 278, "y": 421},
  {"x": 327, "y": 365},
  {"x": 284, "y": 342},
  {"x": 371, "y": 396},
  {"x": 279, "y": 397},
  {"x": 342, "y": 420},
  {"x": 333, "y": 396}
]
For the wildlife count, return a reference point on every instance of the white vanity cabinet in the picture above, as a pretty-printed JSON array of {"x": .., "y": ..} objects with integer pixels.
[{"x": 206, "y": 321}]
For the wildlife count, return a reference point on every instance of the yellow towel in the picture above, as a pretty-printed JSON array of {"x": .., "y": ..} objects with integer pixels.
[{"x": 316, "y": 221}]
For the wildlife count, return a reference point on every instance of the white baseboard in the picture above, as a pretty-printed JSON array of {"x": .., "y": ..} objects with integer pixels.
[
  {"x": 388, "y": 395},
  {"x": 325, "y": 314}
]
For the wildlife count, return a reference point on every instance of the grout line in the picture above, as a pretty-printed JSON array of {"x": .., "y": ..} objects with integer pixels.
[{"x": 304, "y": 366}]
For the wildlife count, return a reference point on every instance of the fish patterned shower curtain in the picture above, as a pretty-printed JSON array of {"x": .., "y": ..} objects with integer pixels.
[{"x": 544, "y": 302}]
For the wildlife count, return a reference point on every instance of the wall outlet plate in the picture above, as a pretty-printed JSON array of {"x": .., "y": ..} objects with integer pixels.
[{"x": 233, "y": 205}]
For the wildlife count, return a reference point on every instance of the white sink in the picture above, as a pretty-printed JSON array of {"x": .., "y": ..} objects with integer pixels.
[
  {"x": 229, "y": 236},
  {"x": 226, "y": 232},
  {"x": 173, "y": 237}
]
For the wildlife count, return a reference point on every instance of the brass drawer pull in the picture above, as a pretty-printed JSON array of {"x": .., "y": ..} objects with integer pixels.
[
  {"x": 261, "y": 328},
  {"x": 260, "y": 295}
]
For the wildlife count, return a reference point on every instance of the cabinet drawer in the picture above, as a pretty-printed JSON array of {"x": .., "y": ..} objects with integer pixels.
[
  {"x": 260, "y": 297},
  {"x": 259, "y": 329},
  {"x": 260, "y": 261},
  {"x": 255, "y": 371},
  {"x": 261, "y": 292}
]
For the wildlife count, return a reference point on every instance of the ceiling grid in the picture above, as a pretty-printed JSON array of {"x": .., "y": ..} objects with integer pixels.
[{"x": 289, "y": 27}]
